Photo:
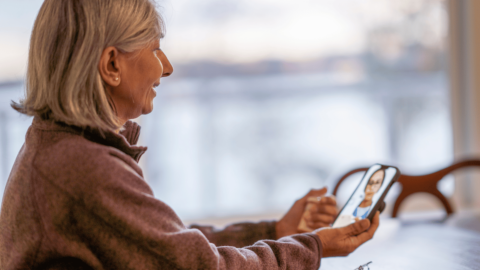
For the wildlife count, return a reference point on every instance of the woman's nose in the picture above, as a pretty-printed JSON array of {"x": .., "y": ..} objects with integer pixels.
[
  {"x": 167, "y": 66},
  {"x": 167, "y": 70}
]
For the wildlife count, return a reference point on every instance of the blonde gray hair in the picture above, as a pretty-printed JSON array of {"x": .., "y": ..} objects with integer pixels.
[{"x": 63, "y": 82}]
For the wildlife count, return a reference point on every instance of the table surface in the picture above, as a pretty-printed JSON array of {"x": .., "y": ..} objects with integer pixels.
[{"x": 422, "y": 245}]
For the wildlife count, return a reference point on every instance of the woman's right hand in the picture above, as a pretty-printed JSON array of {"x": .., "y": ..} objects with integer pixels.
[{"x": 343, "y": 241}]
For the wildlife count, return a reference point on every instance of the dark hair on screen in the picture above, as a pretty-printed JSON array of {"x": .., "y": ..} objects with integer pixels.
[{"x": 383, "y": 179}]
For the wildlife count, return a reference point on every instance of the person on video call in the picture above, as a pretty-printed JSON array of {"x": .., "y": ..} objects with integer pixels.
[
  {"x": 372, "y": 187},
  {"x": 76, "y": 197}
]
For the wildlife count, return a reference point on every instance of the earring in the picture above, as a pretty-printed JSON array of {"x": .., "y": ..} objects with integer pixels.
[{"x": 116, "y": 79}]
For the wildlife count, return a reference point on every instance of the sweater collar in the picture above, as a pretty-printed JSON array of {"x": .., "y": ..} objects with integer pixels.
[{"x": 124, "y": 141}]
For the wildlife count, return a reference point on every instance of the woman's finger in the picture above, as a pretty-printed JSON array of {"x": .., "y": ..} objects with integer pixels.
[
  {"x": 327, "y": 209},
  {"x": 375, "y": 223},
  {"x": 329, "y": 200},
  {"x": 321, "y": 218},
  {"x": 316, "y": 225},
  {"x": 316, "y": 192}
]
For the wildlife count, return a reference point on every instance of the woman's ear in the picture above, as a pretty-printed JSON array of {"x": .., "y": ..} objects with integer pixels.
[{"x": 109, "y": 67}]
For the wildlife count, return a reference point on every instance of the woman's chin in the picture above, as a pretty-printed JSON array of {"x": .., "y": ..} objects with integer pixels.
[{"x": 148, "y": 109}]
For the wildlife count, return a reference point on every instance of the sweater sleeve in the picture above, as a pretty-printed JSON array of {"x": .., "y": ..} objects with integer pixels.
[
  {"x": 119, "y": 221},
  {"x": 239, "y": 234}
]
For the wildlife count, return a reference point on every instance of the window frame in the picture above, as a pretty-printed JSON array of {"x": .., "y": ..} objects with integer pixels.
[{"x": 464, "y": 65}]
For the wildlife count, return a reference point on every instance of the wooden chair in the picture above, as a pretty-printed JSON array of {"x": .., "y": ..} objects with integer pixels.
[{"x": 420, "y": 183}]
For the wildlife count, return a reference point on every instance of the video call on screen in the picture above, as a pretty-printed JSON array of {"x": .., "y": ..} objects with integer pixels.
[{"x": 363, "y": 200}]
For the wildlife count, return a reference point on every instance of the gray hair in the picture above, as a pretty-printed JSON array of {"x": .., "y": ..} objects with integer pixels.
[{"x": 63, "y": 82}]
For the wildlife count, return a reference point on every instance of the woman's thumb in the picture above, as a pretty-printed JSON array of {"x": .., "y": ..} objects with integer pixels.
[{"x": 357, "y": 227}]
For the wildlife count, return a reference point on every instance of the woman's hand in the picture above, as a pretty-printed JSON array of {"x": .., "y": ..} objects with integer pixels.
[
  {"x": 323, "y": 214},
  {"x": 343, "y": 241}
]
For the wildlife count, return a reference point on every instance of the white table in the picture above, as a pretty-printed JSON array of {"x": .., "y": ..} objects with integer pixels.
[{"x": 422, "y": 245}]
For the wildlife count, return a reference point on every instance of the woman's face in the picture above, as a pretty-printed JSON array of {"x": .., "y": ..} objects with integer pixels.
[
  {"x": 140, "y": 73},
  {"x": 374, "y": 184}
]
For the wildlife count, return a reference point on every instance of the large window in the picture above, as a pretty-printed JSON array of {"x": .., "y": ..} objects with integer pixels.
[{"x": 271, "y": 98}]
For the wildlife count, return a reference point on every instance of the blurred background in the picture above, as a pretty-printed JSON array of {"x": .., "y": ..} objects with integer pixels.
[{"x": 272, "y": 98}]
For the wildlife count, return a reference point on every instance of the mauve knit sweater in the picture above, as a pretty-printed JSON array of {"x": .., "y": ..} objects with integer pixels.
[{"x": 77, "y": 200}]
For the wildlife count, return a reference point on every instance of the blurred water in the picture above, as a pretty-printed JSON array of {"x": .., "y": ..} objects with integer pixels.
[
  {"x": 253, "y": 148},
  {"x": 218, "y": 148}
]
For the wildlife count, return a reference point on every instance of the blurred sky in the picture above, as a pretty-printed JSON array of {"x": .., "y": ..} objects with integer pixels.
[
  {"x": 234, "y": 31},
  {"x": 255, "y": 30}
]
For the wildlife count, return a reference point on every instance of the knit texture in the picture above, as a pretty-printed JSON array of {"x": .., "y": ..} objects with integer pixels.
[{"x": 77, "y": 199}]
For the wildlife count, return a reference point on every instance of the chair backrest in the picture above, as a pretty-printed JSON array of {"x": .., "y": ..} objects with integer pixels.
[{"x": 419, "y": 183}]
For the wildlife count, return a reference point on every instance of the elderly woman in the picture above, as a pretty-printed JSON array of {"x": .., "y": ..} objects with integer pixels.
[{"x": 76, "y": 197}]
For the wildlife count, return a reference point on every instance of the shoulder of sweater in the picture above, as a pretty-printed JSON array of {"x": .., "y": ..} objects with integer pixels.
[
  {"x": 76, "y": 163},
  {"x": 79, "y": 151}
]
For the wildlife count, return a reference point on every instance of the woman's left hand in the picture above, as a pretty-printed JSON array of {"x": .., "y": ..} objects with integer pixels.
[{"x": 322, "y": 215}]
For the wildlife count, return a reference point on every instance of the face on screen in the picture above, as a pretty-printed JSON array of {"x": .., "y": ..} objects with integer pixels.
[
  {"x": 374, "y": 184},
  {"x": 370, "y": 189}
]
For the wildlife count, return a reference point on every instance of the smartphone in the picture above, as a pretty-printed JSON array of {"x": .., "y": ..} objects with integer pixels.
[{"x": 368, "y": 197}]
